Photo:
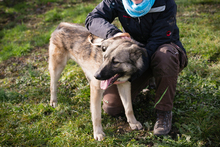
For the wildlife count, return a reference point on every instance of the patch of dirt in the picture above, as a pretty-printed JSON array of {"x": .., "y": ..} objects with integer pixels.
[
  {"x": 9, "y": 20},
  {"x": 12, "y": 66}
]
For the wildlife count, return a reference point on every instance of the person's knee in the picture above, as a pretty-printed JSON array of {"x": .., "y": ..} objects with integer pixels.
[
  {"x": 112, "y": 110},
  {"x": 112, "y": 104},
  {"x": 165, "y": 61}
]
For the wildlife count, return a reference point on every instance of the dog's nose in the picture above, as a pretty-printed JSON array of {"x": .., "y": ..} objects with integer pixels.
[{"x": 97, "y": 76}]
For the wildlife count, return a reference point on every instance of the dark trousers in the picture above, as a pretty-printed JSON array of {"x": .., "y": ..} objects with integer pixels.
[{"x": 165, "y": 67}]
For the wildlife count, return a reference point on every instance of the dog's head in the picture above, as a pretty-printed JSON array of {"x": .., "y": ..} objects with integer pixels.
[{"x": 122, "y": 57}]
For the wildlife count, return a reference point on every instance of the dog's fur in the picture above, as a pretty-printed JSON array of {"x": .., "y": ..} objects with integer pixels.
[{"x": 100, "y": 60}]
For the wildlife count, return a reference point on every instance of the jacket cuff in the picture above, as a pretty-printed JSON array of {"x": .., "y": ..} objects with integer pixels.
[{"x": 111, "y": 33}]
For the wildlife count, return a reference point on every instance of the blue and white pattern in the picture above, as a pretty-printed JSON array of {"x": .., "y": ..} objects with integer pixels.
[{"x": 138, "y": 10}]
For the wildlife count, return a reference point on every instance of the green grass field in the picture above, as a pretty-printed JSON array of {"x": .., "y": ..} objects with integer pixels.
[{"x": 26, "y": 119}]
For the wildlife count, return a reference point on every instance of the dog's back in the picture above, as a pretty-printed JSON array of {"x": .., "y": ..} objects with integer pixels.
[
  {"x": 69, "y": 35},
  {"x": 71, "y": 41}
]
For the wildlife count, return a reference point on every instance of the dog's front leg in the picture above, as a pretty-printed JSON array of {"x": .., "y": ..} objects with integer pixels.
[
  {"x": 124, "y": 90},
  {"x": 95, "y": 106}
]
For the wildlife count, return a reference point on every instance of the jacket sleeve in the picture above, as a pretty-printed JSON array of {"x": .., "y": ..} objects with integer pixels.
[
  {"x": 98, "y": 22},
  {"x": 164, "y": 29}
]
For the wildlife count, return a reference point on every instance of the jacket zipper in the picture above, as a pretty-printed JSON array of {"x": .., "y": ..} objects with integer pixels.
[{"x": 139, "y": 22}]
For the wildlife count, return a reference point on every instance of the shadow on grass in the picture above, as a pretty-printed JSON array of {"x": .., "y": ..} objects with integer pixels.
[
  {"x": 14, "y": 12},
  {"x": 216, "y": 56},
  {"x": 204, "y": 2}
]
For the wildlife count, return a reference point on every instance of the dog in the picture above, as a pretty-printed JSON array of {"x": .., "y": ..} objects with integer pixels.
[{"x": 104, "y": 62}]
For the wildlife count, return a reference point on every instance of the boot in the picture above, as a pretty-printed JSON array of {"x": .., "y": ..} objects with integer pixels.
[{"x": 163, "y": 123}]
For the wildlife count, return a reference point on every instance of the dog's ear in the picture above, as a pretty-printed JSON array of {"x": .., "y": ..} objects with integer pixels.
[
  {"x": 136, "y": 52},
  {"x": 94, "y": 40},
  {"x": 138, "y": 43},
  {"x": 144, "y": 51}
]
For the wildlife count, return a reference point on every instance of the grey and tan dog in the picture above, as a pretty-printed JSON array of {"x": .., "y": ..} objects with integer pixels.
[{"x": 104, "y": 62}]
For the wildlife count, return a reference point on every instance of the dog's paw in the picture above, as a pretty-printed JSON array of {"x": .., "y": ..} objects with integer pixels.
[
  {"x": 53, "y": 104},
  {"x": 99, "y": 136},
  {"x": 136, "y": 126}
]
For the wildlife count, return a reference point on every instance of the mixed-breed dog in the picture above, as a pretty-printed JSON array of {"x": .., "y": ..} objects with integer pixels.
[{"x": 104, "y": 63}]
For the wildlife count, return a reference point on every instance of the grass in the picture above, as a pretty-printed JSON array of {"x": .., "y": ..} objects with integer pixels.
[{"x": 26, "y": 119}]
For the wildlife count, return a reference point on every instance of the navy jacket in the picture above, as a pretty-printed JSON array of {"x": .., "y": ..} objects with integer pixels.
[{"x": 155, "y": 28}]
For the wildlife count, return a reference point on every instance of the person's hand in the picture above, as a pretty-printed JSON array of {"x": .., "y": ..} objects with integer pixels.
[
  {"x": 118, "y": 34},
  {"x": 123, "y": 35}
]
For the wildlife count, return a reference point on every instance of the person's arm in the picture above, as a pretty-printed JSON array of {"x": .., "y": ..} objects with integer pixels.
[{"x": 98, "y": 22}]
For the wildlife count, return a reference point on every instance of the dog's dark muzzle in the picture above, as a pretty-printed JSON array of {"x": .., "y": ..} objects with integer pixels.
[{"x": 98, "y": 76}]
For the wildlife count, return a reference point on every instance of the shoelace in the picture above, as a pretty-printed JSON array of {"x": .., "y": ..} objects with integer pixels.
[{"x": 162, "y": 118}]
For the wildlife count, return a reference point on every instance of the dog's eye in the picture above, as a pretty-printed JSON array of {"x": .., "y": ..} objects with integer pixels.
[
  {"x": 115, "y": 61},
  {"x": 104, "y": 48}
]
